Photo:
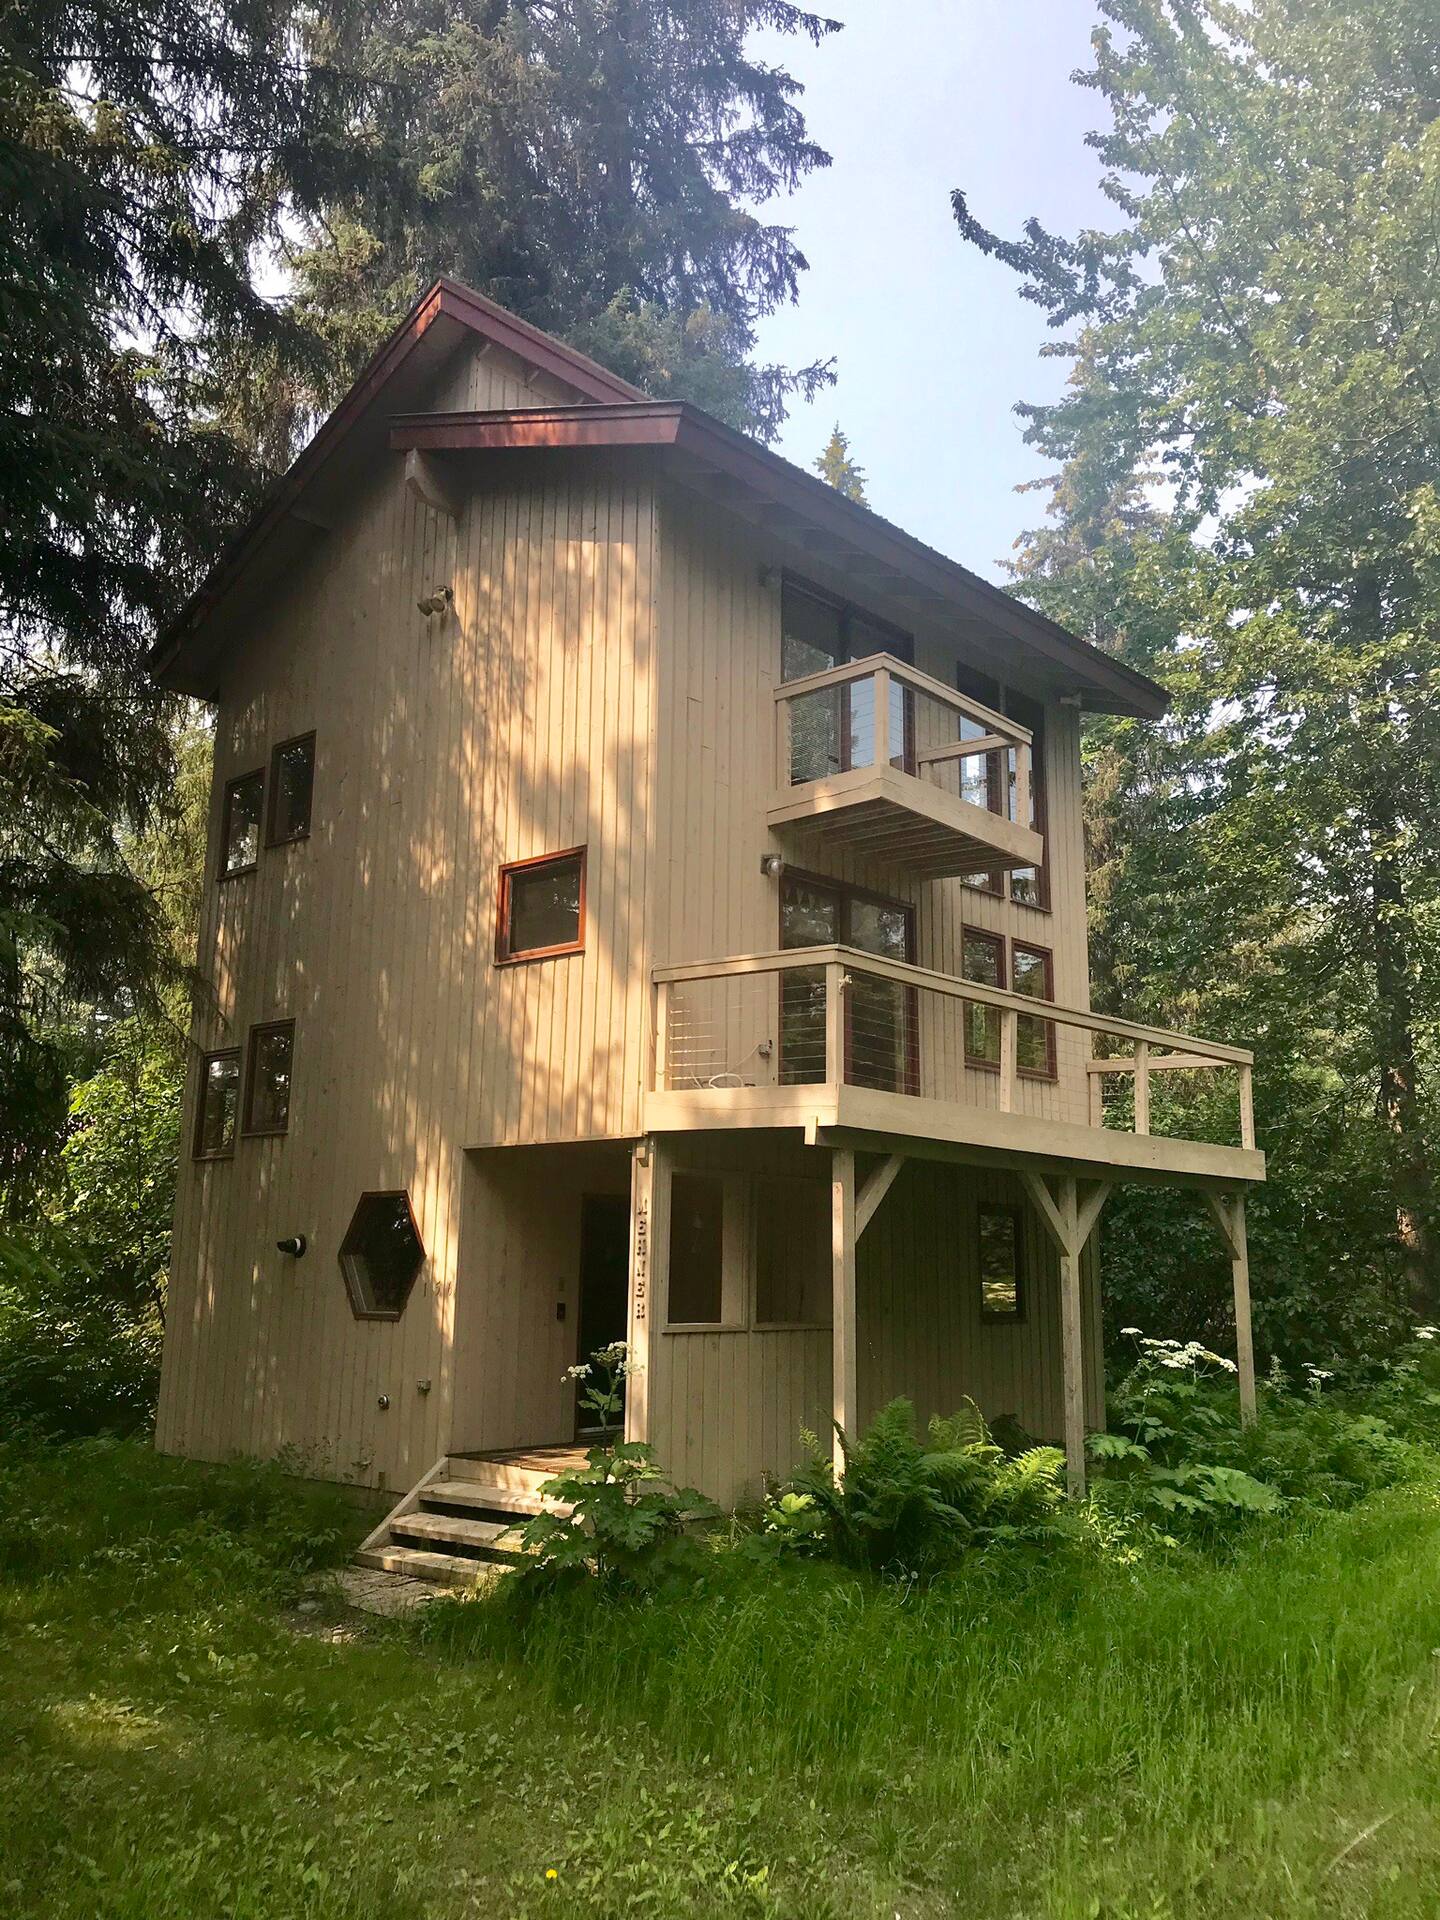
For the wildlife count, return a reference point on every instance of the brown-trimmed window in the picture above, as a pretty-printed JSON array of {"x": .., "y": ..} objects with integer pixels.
[
  {"x": 1032, "y": 972},
  {"x": 982, "y": 775},
  {"x": 292, "y": 786},
  {"x": 381, "y": 1255},
  {"x": 267, "y": 1077},
  {"x": 833, "y": 728},
  {"x": 982, "y": 958},
  {"x": 217, "y": 1105},
  {"x": 1000, "y": 1262},
  {"x": 541, "y": 911},
  {"x": 881, "y": 1016},
  {"x": 240, "y": 824}
]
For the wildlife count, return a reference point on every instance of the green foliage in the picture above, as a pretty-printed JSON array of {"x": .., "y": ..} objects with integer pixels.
[
  {"x": 75, "y": 1357},
  {"x": 1177, "y": 1451},
  {"x": 1258, "y": 330},
  {"x": 912, "y": 1508},
  {"x": 623, "y": 1524},
  {"x": 596, "y": 168}
]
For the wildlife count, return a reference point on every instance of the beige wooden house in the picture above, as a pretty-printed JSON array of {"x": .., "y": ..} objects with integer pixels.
[{"x": 646, "y": 901}]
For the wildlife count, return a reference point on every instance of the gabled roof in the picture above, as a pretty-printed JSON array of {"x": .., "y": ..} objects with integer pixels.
[{"x": 738, "y": 473}]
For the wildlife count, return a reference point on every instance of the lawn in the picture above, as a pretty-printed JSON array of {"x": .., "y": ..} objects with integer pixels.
[{"x": 1041, "y": 1735}]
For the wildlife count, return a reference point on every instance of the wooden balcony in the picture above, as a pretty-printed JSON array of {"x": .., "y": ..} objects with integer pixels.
[
  {"x": 883, "y": 1056},
  {"x": 880, "y": 759}
]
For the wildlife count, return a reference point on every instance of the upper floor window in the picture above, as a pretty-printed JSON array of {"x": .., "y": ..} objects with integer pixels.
[
  {"x": 240, "y": 824},
  {"x": 542, "y": 907},
  {"x": 988, "y": 780},
  {"x": 267, "y": 1077},
  {"x": 217, "y": 1109},
  {"x": 833, "y": 728},
  {"x": 292, "y": 782},
  {"x": 1030, "y": 970}
]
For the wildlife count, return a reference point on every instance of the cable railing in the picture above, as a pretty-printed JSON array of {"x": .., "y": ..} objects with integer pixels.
[
  {"x": 826, "y": 724},
  {"x": 836, "y": 1017}
]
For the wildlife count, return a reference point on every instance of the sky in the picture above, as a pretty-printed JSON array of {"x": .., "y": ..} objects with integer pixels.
[{"x": 932, "y": 342}]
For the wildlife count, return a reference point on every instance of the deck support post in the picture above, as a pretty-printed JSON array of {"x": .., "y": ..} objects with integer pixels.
[
  {"x": 1069, "y": 1217},
  {"x": 650, "y": 1169},
  {"x": 1228, "y": 1210},
  {"x": 842, "y": 1275}
]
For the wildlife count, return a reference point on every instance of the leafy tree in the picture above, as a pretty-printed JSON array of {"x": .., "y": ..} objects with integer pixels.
[
  {"x": 594, "y": 168},
  {"x": 145, "y": 153},
  {"x": 836, "y": 468},
  {"x": 1260, "y": 327}
]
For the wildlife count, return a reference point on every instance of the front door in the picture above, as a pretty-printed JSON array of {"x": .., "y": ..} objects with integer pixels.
[{"x": 604, "y": 1284}]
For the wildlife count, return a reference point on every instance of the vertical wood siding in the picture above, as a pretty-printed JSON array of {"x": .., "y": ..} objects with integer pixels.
[{"x": 517, "y": 724}]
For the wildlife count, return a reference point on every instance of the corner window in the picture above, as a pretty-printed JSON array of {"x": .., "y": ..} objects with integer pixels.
[
  {"x": 982, "y": 958},
  {"x": 999, "y": 1262},
  {"x": 240, "y": 824},
  {"x": 292, "y": 781},
  {"x": 267, "y": 1077},
  {"x": 381, "y": 1256},
  {"x": 542, "y": 907},
  {"x": 217, "y": 1108},
  {"x": 1031, "y": 973}
]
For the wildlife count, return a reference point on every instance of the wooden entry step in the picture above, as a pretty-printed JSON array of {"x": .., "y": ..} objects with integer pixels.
[{"x": 464, "y": 1517}]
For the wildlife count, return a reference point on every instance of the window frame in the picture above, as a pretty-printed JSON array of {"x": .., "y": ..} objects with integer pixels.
[
  {"x": 1050, "y": 1070},
  {"x": 503, "y": 897},
  {"x": 207, "y": 1060},
  {"x": 736, "y": 1215},
  {"x": 846, "y": 894},
  {"x": 238, "y": 873},
  {"x": 351, "y": 1285},
  {"x": 899, "y": 642},
  {"x": 988, "y": 1315},
  {"x": 247, "y": 1131},
  {"x": 272, "y": 838},
  {"x": 997, "y": 940}
]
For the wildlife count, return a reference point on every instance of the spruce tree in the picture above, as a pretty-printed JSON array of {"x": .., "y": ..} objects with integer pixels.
[
  {"x": 838, "y": 470},
  {"x": 596, "y": 168},
  {"x": 1261, "y": 322}
]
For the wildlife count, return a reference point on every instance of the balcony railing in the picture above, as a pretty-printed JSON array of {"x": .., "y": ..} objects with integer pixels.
[
  {"x": 878, "y": 756},
  {"x": 878, "y": 1043}
]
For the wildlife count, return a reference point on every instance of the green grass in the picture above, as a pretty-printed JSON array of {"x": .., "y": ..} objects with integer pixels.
[{"x": 1055, "y": 1737}]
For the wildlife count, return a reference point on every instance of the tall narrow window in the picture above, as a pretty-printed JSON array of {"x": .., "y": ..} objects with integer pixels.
[
  {"x": 982, "y": 779},
  {"x": 542, "y": 907},
  {"x": 833, "y": 728},
  {"x": 999, "y": 1262},
  {"x": 1030, "y": 886},
  {"x": 292, "y": 782},
  {"x": 881, "y": 1016},
  {"x": 267, "y": 1077},
  {"x": 217, "y": 1107},
  {"x": 982, "y": 958},
  {"x": 240, "y": 824},
  {"x": 1031, "y": 973},
  {"x": 697, "y": 1250}
]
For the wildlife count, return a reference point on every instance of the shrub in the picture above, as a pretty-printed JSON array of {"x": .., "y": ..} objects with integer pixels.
[
  {"x": 1177, "y": 1450},
  {"x": 911, "y": 1508},
  {"x": 627, "y": 1526},
  {"x": 74, "y": 1359}
]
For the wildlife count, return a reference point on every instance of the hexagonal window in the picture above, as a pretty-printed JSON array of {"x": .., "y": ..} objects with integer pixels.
[{"x": 381, "y": 1256}]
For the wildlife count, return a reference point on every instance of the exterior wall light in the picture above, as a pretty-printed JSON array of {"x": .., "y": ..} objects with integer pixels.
[
  {"x": 772, "y": 865},
  {"x": 294, "y": 1246}
]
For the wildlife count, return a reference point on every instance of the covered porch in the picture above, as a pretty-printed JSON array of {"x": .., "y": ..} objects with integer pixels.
[{"x": 784, "y": 1279}]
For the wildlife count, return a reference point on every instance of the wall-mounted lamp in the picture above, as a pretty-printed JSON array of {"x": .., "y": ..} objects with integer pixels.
[
  {"x": 772, "y": 865},
  {"x": 772, "y": 579},
  {"x": 422, "y": 1386},
  {"x": 294, "y": 1246},
  {"x": 435, "y": 602},
  {"x": 383, "y": 1402}
]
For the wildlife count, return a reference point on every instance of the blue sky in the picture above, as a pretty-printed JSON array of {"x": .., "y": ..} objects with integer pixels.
[{"x": 933, "y": 343}]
